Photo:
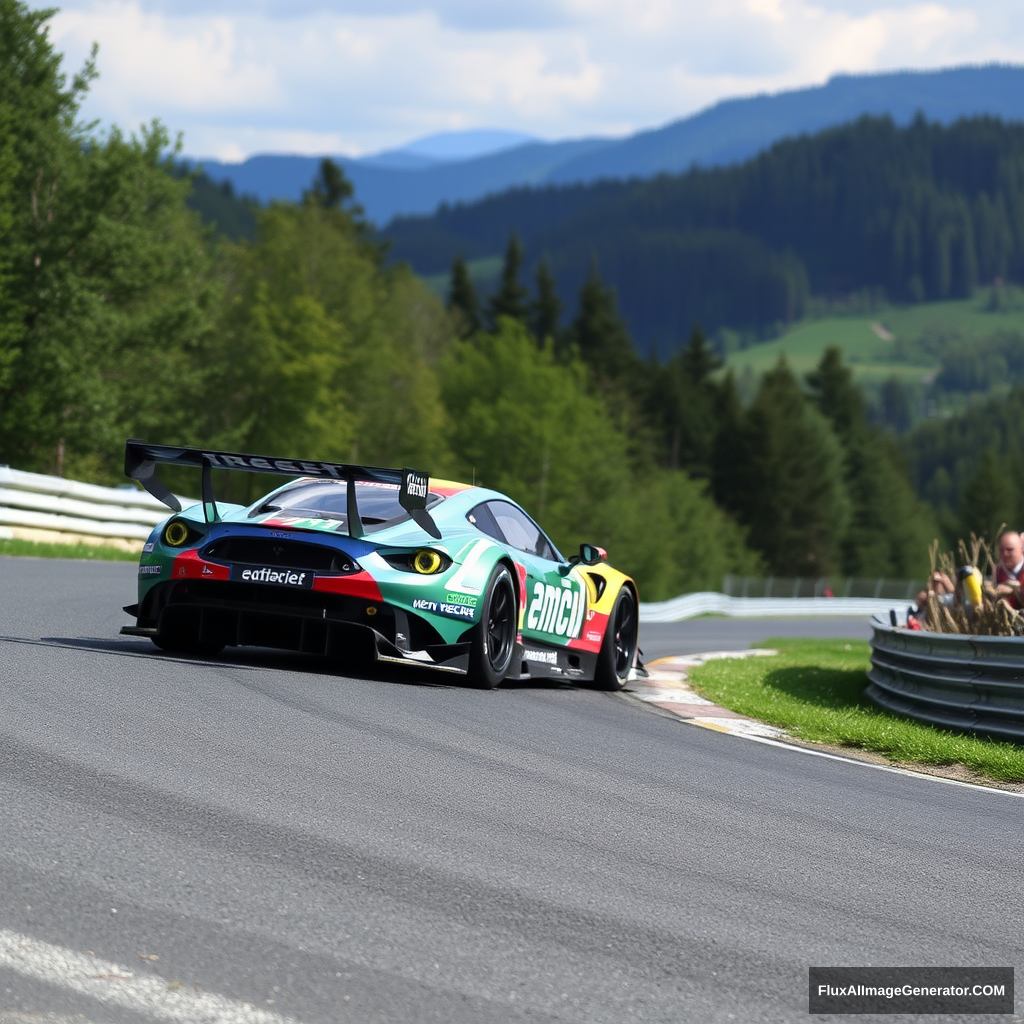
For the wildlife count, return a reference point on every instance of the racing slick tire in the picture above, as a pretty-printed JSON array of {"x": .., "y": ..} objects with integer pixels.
[
  {"x": 618, "y": 651},
  {"x": 494, "y": 639}
]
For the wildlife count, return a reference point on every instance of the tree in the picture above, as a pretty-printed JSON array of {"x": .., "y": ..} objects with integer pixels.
[
  {"x": 547, "y": 308},
  {"x": 786, "y": 485},
  {"x": 601, "y": 337},
  {"x": 837, "y": 397},
  {"x": 462, "y": 299},
  {"x": 109, "y": 290},
  {"x": 528, "y": 424},
  {"x": 989, "y": 499},
  {"x": 322, "y": 346},
  {"x": 510, "y": 300},
  {"x": 684, "y": 399}
]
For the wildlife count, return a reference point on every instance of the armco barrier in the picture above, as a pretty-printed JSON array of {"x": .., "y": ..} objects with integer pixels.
[
  {"x": 690, "y": 605},
  {"x": 963, "y": 682},
  {"x": 48, "y": 508}
]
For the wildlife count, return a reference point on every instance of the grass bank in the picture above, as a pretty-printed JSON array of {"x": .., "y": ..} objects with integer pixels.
[
  {"x": 814, "y": 689},
  {"x": 97, "y": 552}
]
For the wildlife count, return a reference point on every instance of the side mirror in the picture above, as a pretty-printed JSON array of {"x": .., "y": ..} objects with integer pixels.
[{"x": 591, "y": 554}]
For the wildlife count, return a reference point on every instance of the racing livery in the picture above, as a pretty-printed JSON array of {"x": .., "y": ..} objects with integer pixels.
[{"x": 359, "y": 562}]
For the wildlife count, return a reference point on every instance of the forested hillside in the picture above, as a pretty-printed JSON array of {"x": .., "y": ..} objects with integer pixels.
[{"x": 922, "y": 212}]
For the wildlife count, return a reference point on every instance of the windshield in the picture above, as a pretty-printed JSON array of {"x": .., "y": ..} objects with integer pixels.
[{"x": 328, "y": 499}]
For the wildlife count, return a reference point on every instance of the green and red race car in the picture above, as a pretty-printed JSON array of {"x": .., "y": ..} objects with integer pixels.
[{"x": 358, "y": 562}]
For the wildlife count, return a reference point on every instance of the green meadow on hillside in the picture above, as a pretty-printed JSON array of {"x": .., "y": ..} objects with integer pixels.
[{"x": 883, "y": 343}]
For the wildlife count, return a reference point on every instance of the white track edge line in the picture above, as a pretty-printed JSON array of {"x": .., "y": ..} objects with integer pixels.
[{"x": 112, "y": 983}]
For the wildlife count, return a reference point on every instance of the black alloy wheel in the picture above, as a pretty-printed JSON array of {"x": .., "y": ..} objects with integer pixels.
[
  {"x": 494, "y": 640},
  {"x": 618, "y": 651}
]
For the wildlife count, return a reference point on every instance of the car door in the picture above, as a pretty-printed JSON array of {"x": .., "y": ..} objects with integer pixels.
[{"x": 556, "y": 596}]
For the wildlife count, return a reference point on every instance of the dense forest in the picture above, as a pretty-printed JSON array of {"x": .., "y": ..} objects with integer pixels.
[
  {"x": 122, "y": 315},
  {"x": 921, "y": 212}
]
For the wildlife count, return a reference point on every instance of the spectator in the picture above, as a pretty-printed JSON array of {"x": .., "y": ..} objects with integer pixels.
[
  {"x": 1009, "y": 569},
  {"x": 943, "y": 586}
]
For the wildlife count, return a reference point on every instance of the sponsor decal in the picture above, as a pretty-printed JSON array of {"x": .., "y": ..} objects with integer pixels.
[
  {"x": 557, "y": 610},
  {"x": 593, "y": 637},
  {"x": 147, "y": 548},
  {"x": 182, "y": 571},
  {"x": 254, "y": 462},
  {"x": 277, "y": 577},
  {"x": 544, "y": 657},
  {"x": 150, "y": 570},
  {"x": 207, "y": 571},
  {"x": 469, "y": 602},
  {"x": 416, "y": 484},
  {"x": 456, "y": 611}
]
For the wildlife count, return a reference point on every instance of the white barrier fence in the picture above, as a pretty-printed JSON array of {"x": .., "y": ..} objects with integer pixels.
[
  {"x": 48, "y": 508},
  {"x": 691, "y": 605}
]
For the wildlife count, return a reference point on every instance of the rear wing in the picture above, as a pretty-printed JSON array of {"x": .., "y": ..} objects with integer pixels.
[{"x": 140, "y": 459}]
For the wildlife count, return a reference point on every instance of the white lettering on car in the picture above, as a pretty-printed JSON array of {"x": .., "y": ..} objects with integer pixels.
[
  {"x": 281, "y": 576},
  {"x": 556, "y": 610}
]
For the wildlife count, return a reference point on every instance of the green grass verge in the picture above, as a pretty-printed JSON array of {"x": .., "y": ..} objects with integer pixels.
[
  {"x": 814, "y": 689},
  {"x": 101, "y": 552}
]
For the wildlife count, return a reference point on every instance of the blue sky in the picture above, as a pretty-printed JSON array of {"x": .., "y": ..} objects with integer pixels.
[{"x": 238, "y": 77}]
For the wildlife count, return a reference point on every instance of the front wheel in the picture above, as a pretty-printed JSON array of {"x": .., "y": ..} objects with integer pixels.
[
  {"x": 494, "y": 639},
  {"x": 618, "y": 651}
]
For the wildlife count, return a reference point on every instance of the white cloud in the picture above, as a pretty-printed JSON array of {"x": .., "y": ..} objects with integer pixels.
[{"x": 240, "y": 76}]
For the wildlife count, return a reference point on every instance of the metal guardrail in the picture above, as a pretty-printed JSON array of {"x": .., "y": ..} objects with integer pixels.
[
  {"x": 691, "y": 605},
  {"x": 876, "y": 587},
  {"x": 961, "y": 682},
  {"x": 49, "y": 508}
]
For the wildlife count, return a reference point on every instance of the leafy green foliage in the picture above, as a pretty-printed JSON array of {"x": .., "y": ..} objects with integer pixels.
[{"x": 529, "y": 425}]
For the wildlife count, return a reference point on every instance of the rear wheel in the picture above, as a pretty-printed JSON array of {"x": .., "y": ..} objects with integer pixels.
[
  {"x": 618, "y": 651},
  {"x": 494, "y": 639}
]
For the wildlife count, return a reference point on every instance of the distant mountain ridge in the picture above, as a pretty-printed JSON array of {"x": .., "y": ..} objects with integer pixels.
[{"x": 414, "y": 180}]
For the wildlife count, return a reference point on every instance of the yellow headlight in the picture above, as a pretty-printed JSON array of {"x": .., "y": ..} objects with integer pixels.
[
  {"x": 176, "y": 534},
  {"x": 426, "y": 561}
]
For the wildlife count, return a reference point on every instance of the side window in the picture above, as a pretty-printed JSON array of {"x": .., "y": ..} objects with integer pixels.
[
  {"x": 481, "y": 518},
  {"x": 521, "y": 531}
]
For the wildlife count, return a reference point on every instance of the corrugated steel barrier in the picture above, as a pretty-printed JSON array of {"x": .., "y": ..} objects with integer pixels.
[
  {"x": 961, "y": 682},
  {"x": 49, "y": 508},
  {"x": 691, "y": 605}
]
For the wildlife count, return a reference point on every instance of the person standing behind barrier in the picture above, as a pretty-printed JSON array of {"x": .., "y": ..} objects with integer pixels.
[{"x": 1011, "y": 566}]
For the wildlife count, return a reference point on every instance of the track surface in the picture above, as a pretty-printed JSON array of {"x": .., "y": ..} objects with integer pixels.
[{"x": 401, "y": 849}]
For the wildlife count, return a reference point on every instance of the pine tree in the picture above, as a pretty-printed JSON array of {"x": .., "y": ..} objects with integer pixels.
[
  {"x": 835, "y": 394},
  {"x": 684, "y": 401},
  {"x": 547, "y": 309},
  {"x": 511, "y": 299},
  {"x": 786, "y": 484},
  {"x": 462, "y": 299},
  {"x": 601, "y": 335},
  {"x": 989, "y": 498}
]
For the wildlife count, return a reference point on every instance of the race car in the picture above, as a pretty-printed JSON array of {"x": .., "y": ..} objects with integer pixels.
[{"x": 358, "y": 563}]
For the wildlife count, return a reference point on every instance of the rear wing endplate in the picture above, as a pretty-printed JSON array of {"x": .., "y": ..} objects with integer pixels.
[{"x": 140, "y": 459}]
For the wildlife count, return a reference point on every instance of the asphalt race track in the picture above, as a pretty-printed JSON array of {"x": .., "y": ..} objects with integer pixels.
[{"x": 258, "y": 839}]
